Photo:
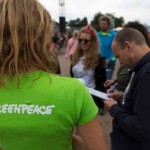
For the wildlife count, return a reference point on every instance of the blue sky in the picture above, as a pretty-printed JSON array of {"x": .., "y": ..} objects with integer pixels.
[{"x": 131, "y": 10}]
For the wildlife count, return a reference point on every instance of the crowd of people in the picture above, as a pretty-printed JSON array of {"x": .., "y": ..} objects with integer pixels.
[
  {"x": 39, "y": 109},
  {"x": 128, "y": 103}
]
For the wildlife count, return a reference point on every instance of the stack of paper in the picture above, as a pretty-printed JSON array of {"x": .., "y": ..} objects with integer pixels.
[{"x": 99, "y": 94}]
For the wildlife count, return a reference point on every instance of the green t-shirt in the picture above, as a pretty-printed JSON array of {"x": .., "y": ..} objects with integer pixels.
[{"x": 42, "y": 112}]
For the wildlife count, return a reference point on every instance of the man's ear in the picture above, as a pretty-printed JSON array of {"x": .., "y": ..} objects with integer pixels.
[{"x": 127, "y": 45}]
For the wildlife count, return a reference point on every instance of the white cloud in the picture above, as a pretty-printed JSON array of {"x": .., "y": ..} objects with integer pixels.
[{"x": 129, "y": 10}]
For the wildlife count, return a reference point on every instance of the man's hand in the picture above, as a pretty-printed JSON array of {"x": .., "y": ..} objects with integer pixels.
[
  {"x": 108, "y": 83},
  {"x": 107, "y": 62},
  {"x": 117, "y": 95},
  {"x": 114, "y": 97},
  {"x": 110, "y": 103}
]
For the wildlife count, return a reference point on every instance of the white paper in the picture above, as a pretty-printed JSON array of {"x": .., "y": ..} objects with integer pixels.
[{"x": 102, "y": 95}]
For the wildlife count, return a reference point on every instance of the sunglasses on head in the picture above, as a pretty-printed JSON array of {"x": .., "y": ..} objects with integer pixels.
[{"x": 83, "y": 40}]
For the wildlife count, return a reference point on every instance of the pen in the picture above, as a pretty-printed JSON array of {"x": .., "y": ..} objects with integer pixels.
[{"x": 113, "y": 88}]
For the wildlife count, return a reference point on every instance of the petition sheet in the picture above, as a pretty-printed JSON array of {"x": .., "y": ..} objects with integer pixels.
[{"x": 98, "y": 94}]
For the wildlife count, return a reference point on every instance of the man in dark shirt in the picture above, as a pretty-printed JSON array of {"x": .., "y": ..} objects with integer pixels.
[{"x": 131, "y": 118}]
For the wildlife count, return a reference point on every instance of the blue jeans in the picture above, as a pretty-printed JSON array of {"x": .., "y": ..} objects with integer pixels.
[{"x": 109, "y": 71}]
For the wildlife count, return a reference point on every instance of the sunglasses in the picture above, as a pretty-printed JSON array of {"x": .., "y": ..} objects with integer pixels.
[{"x": 83, "y": 40}]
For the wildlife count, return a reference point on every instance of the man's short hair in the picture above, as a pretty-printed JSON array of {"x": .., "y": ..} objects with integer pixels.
[
  {"x": 105, "y": 18},
  {"x": 131, "y": 35},
  {"x": 140, "y": 27}
]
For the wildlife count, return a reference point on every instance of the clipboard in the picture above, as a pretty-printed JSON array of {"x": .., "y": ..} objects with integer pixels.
[{"x": 99, "y": 94}]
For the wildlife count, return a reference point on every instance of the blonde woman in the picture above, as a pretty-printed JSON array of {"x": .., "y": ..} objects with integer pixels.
[
  {"x": 36, "y": 110},
  {"x": 88, "y": 65}
]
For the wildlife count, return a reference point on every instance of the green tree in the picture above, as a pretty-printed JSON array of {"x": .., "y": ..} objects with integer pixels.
[
  {"x": 83, "y": 22},
  {"x": 78, "y": 22},
  {"x": 119, "y": 22},
  {"x": 94, "y": 23}
]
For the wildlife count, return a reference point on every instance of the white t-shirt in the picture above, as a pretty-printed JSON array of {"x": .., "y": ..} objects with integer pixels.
[{"x": 85, "y": 76}]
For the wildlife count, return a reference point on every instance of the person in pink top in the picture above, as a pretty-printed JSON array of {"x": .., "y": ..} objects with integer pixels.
[{"x": 71, "y": 45}]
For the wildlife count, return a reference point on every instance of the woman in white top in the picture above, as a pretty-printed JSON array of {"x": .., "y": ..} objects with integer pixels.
[{"x": 88, "y": 65}]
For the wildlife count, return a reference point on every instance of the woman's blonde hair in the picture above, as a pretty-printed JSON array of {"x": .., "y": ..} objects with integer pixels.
[
  {"x": 91, "y": 57},
  {"x": 25, "y": 38}
]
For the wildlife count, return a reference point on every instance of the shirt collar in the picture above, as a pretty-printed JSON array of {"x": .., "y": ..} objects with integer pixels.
[{"x": 145, "y": 59}]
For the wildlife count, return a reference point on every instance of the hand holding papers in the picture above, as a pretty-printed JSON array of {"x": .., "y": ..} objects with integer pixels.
[{"x": 99, "y": 94}]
